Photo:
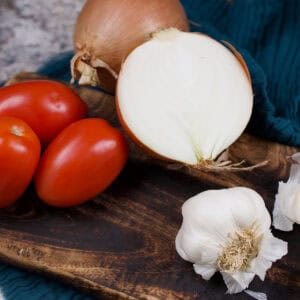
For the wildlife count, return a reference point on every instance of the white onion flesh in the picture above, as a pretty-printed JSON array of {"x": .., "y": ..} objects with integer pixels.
[{"x": 184, "y": 96}]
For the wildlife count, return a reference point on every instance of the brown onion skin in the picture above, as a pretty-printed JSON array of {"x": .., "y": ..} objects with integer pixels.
[{"x": 111, "y": 29}]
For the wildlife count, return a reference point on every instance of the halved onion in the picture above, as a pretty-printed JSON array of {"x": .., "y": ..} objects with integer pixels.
[{"x": 184, "y": 97}]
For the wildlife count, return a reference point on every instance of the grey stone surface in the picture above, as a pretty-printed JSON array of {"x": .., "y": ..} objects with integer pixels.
[{"x": 32, "y": 31}]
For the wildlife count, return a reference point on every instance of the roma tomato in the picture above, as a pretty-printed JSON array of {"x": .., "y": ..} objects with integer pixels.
[
  {"x": 46, "y": 106},
  {"x": 80, "y": 163},
  {"x": 19, "y": 155}
]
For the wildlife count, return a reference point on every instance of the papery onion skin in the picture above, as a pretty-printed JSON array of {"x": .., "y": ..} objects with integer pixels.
[{"x": 108, "y": 30}]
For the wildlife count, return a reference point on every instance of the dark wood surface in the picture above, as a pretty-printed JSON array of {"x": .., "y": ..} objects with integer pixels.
[{"x": 121, "y": 244}]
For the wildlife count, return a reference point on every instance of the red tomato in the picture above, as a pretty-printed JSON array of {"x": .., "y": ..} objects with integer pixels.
[
  {"x": 80, "y": 163},
  {"x": 46, "y": 106},
  {"x": 19, "y": 155}
]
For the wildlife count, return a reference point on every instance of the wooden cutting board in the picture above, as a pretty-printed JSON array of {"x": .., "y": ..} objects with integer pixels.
[{"x": 121, "y": 244}]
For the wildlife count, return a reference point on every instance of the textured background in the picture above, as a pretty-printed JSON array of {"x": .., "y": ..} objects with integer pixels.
[{"x": 32, "y": 31}]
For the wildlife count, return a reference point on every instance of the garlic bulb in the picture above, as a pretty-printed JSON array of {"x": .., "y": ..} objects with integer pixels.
[
  {"x": 228, "y": 231},
  {"x": 184, "y": 96},
  {"x": 287, "y": 203}
]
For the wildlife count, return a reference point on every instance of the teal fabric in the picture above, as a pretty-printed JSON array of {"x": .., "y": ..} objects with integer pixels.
[
  {"x": 17, "y": 284},
  {"x": 267, "y": 33}
]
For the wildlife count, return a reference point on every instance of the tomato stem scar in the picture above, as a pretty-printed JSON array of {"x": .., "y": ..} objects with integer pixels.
[{"x": 17, "y": 131}]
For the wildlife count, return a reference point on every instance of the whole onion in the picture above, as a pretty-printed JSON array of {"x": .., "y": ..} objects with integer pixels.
[{"x": 108, "y": 30}]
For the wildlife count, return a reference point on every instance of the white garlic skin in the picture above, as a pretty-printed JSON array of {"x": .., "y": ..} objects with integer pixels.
[
  {"x": 210, "y": 221},
  {"x": 287, "y": 202}
]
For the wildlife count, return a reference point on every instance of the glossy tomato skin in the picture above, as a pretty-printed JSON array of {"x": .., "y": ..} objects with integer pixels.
[
  {"x": 19, "y": 155},
  {"x": 81, "y": 162},
  {"x": 46, "y": 106}
]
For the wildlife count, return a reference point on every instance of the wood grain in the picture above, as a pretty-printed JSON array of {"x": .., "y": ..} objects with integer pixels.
[{"x": 121, "y": 244}]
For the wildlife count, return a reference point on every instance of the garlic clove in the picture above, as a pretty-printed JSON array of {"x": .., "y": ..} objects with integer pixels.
[
  {"x": 196, "y": 249},
  {"x": 226, "y": 219},
  {"x": 272, "y": 248},
  {"x": 184, "y": 96},
  {"x": 206, "y": 271},
  {"x": 296, "y": 157},
  {"x": 178, "y": 243},
  {"x": 237, "y": 282},
  {"x": 287, "y": 201},
  {"x": 280, "y": 220},
  {"x": 295, "y": 173},
  {"x": 256, "y": 295},
  {"x": 261, "y": 265}
]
